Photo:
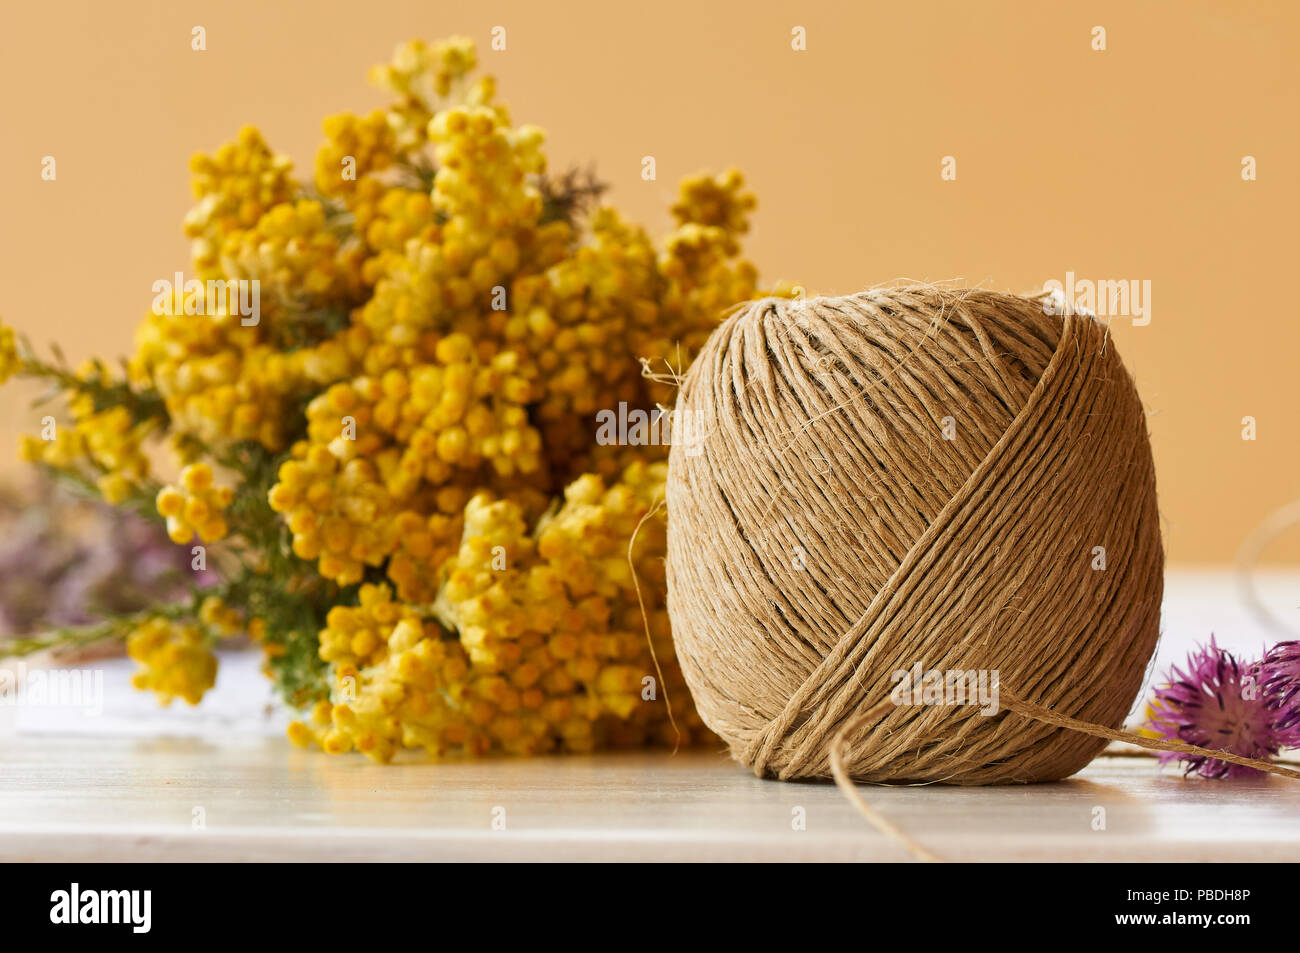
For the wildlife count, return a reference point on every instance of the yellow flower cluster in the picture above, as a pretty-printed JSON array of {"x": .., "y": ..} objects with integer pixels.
[
  {"x": 490, "y": 340},
  {"x": 195, "y": 507},
  {"x": 355, "y": 147},
  {"x": 415, "y": 699},
  {"x": 358, "y": 636},
  {"x": 221, "y": 380},
  {"x": 228, "y": 377},
  {"x": 110, "y": 440},
  {"x": 176, "y": 661},
  {"x": 220, "y": 618},
  {"x": 386, "y": 463},
  {"x": 222, "y": 384},
  {"x": 435, "y": 550},
  {"x": 235, "y": 187},
  {"x": 550, "y": 653},
  {"x": 9, "y": 359},
  {"x": 422, "y": 75},
  {"x": 703, "y": 276},
  {"x": 577, "y": 322},
  {"x": 387, "y": 218},
  {"x": 715, "y": 202},
  {"x": 296, "y": 255}
]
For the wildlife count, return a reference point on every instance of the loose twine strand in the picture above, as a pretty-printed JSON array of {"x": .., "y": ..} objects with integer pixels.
[
  {"x": 822, "y": 425},
  {"x": 645, "y": 621},
  {"x": 1272, "y": 527},
  {"x": 1029, "y": 710}
]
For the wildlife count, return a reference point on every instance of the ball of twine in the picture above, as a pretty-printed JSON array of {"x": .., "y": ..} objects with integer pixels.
[{"x": 915, "y": 476}]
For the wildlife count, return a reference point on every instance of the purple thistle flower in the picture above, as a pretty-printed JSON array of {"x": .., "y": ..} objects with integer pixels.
[
  {"x": 1280, "y": 680},
  {"x": 1219, "y": 703}
]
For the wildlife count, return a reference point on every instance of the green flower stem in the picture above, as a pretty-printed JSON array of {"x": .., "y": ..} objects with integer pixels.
[
  {"x": 73, "y": 637},
  {"x": 141, "y": 499},
  {"x": 144, "y": 405}
]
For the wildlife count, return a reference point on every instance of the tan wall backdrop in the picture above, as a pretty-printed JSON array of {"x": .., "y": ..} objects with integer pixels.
[{"x": 1119, "y": 164}]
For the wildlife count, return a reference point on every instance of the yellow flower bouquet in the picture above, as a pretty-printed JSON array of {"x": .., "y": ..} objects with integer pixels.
[{"x": 381, "y": 390}]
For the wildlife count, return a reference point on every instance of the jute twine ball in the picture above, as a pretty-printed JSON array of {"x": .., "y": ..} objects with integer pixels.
[{"x": 861, "y": 484}]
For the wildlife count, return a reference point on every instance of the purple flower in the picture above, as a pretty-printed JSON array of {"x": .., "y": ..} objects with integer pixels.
[
  {"x": 66, "y": 562},
  {"x": 1280, "y": 680},
  {"x": 1222, "y": 704}
]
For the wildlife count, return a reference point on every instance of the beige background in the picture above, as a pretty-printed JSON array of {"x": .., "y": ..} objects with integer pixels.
[{"x": 1114, "y": 165}]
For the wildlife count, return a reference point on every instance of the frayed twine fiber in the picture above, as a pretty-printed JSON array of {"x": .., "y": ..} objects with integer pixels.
[{"x": 823, "y": 534}]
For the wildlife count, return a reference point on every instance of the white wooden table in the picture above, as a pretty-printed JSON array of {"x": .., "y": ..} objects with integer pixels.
[{"x": 185, "y": 785}]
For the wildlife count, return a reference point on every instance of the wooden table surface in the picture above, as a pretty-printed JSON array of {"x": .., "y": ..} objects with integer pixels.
[
  {"x": 131, "y": 799},
  {"x": 221, "y": 783}
]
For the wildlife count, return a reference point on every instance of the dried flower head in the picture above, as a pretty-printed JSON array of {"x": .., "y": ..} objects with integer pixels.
[
  {"x": 1220, "y": 703},
  {"x": 1280, "y": 681}
]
